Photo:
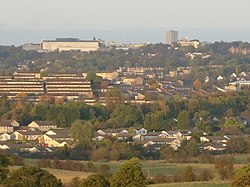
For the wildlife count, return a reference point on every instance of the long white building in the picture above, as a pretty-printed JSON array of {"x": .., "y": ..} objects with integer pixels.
[{"x": 70, "y": 44}]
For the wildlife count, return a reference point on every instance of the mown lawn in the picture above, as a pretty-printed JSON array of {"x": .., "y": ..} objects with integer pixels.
[{"x": 194, "y": 184}]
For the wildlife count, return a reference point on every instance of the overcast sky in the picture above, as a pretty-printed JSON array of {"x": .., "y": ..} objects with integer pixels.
[{"x": 123, "y": 20}]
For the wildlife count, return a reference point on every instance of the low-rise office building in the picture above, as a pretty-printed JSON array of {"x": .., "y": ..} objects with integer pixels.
[{"x": 70, "y": 44}]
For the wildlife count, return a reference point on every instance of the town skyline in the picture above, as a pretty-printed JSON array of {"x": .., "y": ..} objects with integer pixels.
[{"x": 124, "y": 21}]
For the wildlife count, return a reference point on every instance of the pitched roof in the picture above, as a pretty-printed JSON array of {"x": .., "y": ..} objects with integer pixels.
[
  {"x": 59, "y": 133},
  {"x": 31, "y": 133},
  {"x": 6, "y": 123},
  {"x": 45, "y": 123}
]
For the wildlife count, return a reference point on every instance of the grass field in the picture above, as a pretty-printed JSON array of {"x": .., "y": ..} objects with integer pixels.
[
  {"x": 242, "y": 158},
  {"x": 64, "y": 175},
  {"x": 194, "y": 184},
  {"x": 150, "y": 169}
]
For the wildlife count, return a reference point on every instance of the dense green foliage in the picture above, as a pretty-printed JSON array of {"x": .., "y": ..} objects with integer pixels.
[
  {"x": 4, "y": 170},
  {"x": 94, "y": 180},
  {"x": 129, "y": 175},
  {"x": 242, "y": 177},
  {"x": 165, "y": 56},
  {"x": 32, "y": 177}
]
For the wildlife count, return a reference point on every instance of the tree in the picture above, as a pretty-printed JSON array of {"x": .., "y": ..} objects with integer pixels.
[
  {"x": 4, "y": 170},
  {"x": 188, "y": 174},
  {"x": 82, "y": 133},
  {"x": 74, "y": 182},
  {"x": 232, "y": 123},
  {"x": 225, "y": 168},
  {"x": 100, "y": 154},
  {"x": 94, "y": 180},
  {"x": 197, "y": 84},
  {"x": 162, "y": 102},
  {"x": 203, "y": 120},
  {"x": 167, "y": 153},
  {"x": 183, "y": 120},
  {"x": 155, "y": 121},
  {"x": 237, "y": 145},
  {"x": 32, "y": 177},
  {"x": 192, "y": 148},
  {"x": 113, "y": 97},
  {"x": 104, "y": 170},
  {"x": 125, "y": 116},
  {"x": 205, "y": 175},
  {"x": 129, "y": 175},
  {"x": 242, "y": 177}
]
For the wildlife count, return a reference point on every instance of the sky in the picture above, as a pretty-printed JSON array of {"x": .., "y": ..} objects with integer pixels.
[{"x": 124, "y": 21}]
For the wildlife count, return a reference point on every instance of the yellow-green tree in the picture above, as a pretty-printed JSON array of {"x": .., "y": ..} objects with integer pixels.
[
  {"x": 129, "y": 175},
  {"x": 242, "y": 177}
]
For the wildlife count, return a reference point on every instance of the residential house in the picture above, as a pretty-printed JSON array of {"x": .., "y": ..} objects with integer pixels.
[
  {"x": 173, "y": 142},
  {"x": 214, "y": 139},
  {"x": 132, "y": 80},
  {"x": 138, "y": 137},
  {"x": 59, "y": 143},
  {"x": 8, "y": 126},
  {"x": 112, "y": 132},
  {"x": 142, "y": 131},
  {"x": 4, "y": 136},
  {"x": 110, "y": 75},
  {"x": 42, "y": 125},
  {"x": 56, "y": 138},
  {"x": 17, "y": 136},
  {"x": 16, "y": 148},
  {"x": 31, "y": 135},
  {"x": 219, "y": 78},
  {"x": 214, "y": 147},
  {"x": 153, "y": 135}
]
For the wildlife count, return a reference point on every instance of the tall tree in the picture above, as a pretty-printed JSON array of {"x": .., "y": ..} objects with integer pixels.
[
  {"x": 242, "y": 177},
  {"x": 192, "y": 148},
  {"x": 82, "y": 133},
  {"x": 113, "y": 97},
  {"x": 183, "y": 120},
  {"x": 4, "y": 170},
  {"x": 188, "y": 174},
  {"x": 94, "y": 180},
  {"x": 32, "y": 177},
  {"x": 125, "y": 116},
  {"x": 203, "y": 120},
  {"x": 129, "y": 175}
]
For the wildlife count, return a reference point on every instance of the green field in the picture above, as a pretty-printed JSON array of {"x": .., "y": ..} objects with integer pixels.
[
  {"x": 194, "y": 184},
  {"x": 150, "y": 169}
]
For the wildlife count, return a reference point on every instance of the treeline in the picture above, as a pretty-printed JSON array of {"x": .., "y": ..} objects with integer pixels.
[
  {"x": 207, "y": 113},
  {"x": 102, "y": 169},
  {"x": 129, "y": 174},
  {"x": 223, "y": 166},
  {"x": 164, "y": 56}
]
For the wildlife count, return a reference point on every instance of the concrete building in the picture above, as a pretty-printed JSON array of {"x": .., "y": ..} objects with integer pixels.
[
  {"x": 31, "y": 47},
  {"x": 70, "y": 89},
  {"x": 110, "y": 75},
  {"x": 186, "y": 43},
  {"x": 15, "y": 88},
  {"x": 31, "y": 86},
  {"x": 70, "y": 44},
  {"x": 171, "y": 37}
]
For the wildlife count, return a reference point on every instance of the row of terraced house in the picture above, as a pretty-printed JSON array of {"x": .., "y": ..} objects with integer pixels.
[
  {"x": 69, "y": 86},
  {"x": 45, "y": 136},
  {"x": 37, "y": 136}
]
